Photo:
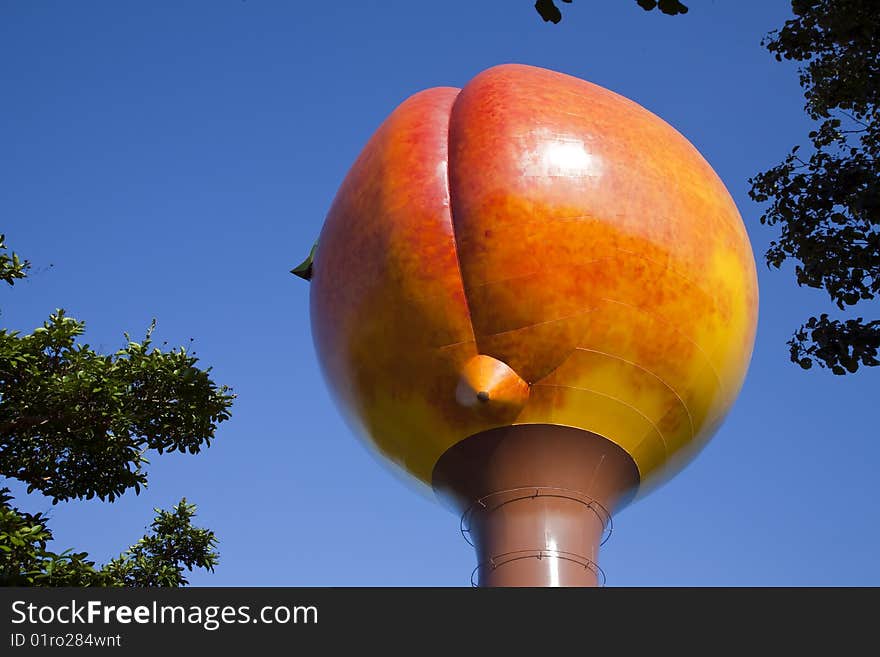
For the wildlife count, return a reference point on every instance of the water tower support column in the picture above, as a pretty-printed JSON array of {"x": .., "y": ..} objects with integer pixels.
[{"x": 536, "y": 502}]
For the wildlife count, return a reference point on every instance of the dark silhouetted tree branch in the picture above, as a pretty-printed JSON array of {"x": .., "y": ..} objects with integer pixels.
[
  {"x": 551, "y": 13},
  {"x": 827, "y": 202}
]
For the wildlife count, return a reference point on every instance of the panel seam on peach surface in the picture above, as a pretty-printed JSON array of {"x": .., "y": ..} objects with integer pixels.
[
  {"x": 579, "y": 313},
  {"x": 672, "y": 326},
  {"x": 647, "y": 371},
  {"x": 659, "y": 433},
  {"x": 467, "y": 303}
]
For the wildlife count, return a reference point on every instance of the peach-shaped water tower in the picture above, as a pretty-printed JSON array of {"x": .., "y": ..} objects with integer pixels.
[{"x": 536, "y": 297}]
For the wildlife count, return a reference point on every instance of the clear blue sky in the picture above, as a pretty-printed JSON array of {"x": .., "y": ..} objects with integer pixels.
[{"x": 176, "y": 159}]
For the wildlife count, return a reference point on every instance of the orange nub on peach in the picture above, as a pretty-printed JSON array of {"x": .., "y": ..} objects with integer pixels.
[{"x": 533, "y": 249}]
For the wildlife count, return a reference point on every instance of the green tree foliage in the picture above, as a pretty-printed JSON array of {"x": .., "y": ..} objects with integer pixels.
[
  {"x": 551, "y": 13},
  {"x": 76, "y": 424},
  {"x": 827, "y": 202},
  {"x": 160, "y": 558},
  {"x": 12, "y": 267}
]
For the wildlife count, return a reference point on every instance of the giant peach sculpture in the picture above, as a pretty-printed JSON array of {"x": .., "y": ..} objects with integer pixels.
[{"x": 537, "y": 297}]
